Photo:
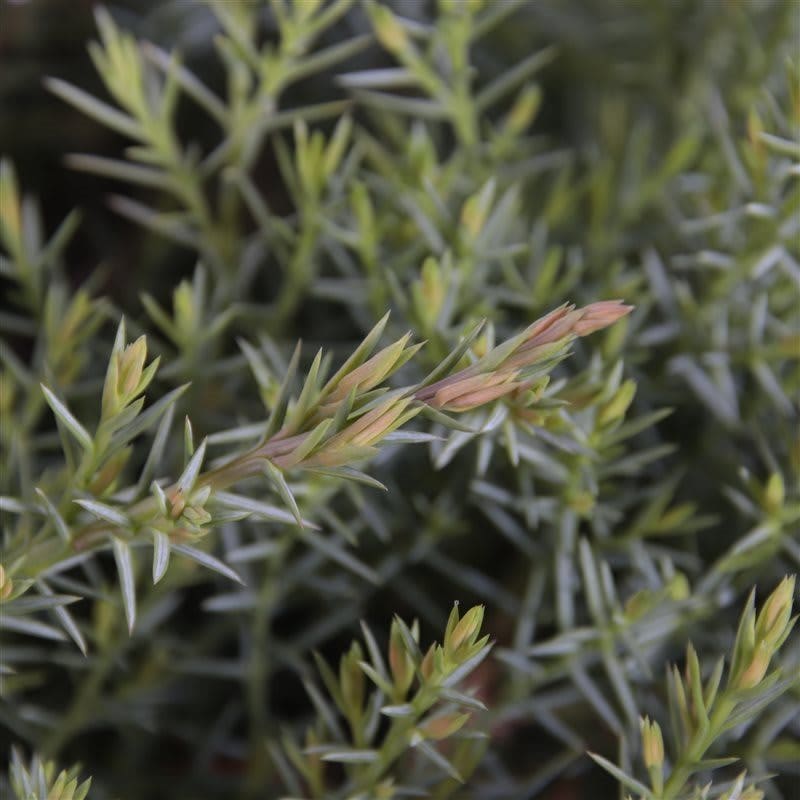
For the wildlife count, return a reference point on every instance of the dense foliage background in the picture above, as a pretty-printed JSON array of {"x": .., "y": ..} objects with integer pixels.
[{"x": 302, "y": 169}]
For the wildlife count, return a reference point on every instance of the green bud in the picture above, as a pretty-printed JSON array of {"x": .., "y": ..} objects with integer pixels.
[
  {"x": 400, "y": 663},
  {"x": 185, "y": 311},
  {"x": 452, "y": 621},
  {"x": 57, "y": 789},
  {"x": 475, "y": 210},
  {"x": 524, "y": 109},
  {"x": 775, "y": 615},
  {"x": 351, "y": 679},
  {"x": 652, "y": 743},
  {"x": 756, "y": 669},
  {"x": 110, "y": 401},
  {"x": 196, "y": 516},
  {"x": 653, "y": 752},
  {"x": 774, "y": 493},
  {"x": 678, "y": 587},
  {"x": 429, "y": 293},
  {"x": 177, "y": 502},
  {"x": 131, "y": 366},
  {"x": 126, "y": 377},
  {"x": 428, "y": 663},
  {"x": 466, "y": 630},
  {"x": 391, "y": 34},
  {"x": 444, "y": 726},
  {"x": 615, "y": 408}
]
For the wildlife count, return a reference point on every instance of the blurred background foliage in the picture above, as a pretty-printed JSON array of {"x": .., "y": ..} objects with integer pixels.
[{"x": 452, "y": 162}]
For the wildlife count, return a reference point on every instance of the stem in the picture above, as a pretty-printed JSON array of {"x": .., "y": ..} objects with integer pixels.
[
  {"x": 257, "y": 686},
  {"x": 396, "y": 741},
  {"x": 697, "y": 747}
]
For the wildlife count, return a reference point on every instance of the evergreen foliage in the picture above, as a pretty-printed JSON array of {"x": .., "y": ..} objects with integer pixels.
[{"x": 359, "y": 354}]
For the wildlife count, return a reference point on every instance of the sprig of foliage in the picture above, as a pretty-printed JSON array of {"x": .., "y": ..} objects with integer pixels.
[
  {"x": 39, "y": 780},
  {"x": 330, "y": 425},
  {"x": 417, "y": 693},
  {"x": 147, "y": 85},
  {"x": 702, "y": 711},
  {"x": 468, "y": 165}
]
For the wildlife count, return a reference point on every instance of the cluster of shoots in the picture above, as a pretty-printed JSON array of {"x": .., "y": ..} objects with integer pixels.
[
  {"x": 40, "y": 780},
  {"x": 416, "y": 692},
  {"x": 702, "y": 708},
  {"x": 330, "y": 425},
  {"x": 422, "y": 178}
]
